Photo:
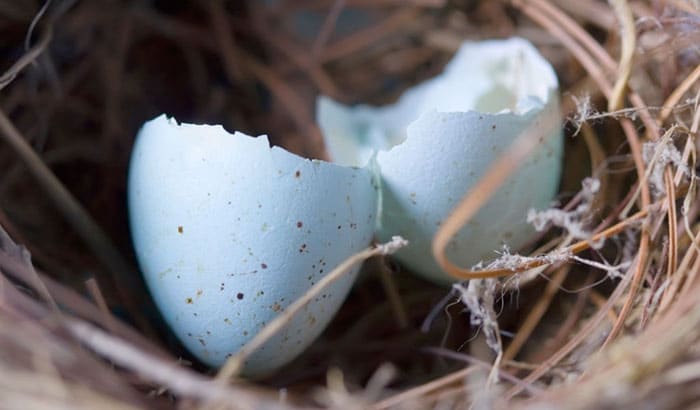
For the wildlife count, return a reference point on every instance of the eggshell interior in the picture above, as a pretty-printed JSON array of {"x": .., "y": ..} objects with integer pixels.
[
  {"x": 228, "y": 232},
  {"x": 436, "y": 142}
]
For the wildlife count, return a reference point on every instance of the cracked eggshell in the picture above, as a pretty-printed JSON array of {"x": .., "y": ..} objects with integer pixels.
[
  {"x": 437, "y": 141},
  {"x": 228, "y": 232}
]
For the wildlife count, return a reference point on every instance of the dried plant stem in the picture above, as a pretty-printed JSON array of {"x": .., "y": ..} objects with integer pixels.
[
  {"x": 548, "y": 16},
  {"x": 327, "y": 28},
  {"x": 599, "y": 300},
  {"x": 672, "y": 221},
  {"x": 578, "y": 33},
  {"x": 555, "y": 244},
  {"x": 296, "y": 54},
  {"x": 32, "y": 278},
  {"x": 536, "y": 313},
  {"x": 690, "y": 285},
  {"x": 547, "y": 20},
  {"x": 107, "y": 318},
  {"x": 480, "y": 193},
  {"x": 92, "y": 235},
  {"x": 359, "y": 40},
  {"x": 685, "y": 273},
  {"x": 685, "y": 6},
  {"x": 592, "y": 11},
  {"x": 639, "y": 362},
  {"x": 233, "y": 365},
  {"x": 493, "y": 368},
  {"x": 181, "y": 381},
  {"x": 573, "y": 249},
  {"x": 28, "y": 58},
  {"x": 674, "y": 98},
  {"x": 639, "y": 269},
  {"x": 236, "y": 59},
  {"x": 222, "y": 34},
  {"x": 74, "y": 302},
  {"x": 392, "y": 293},
  {"x": 632, "y": 138},
  {"x": 643, "y": 250},
  {"x": 681, "y": 275},
  {"x": 643, "y": 172},
  {"x": 688, "y": 151},
  {"x": 644, "y": 240},
  {"x": 577, "y": 339},
  {"x": 597, "y": 158},
  {"x": 629, "y": 41},
  {"x": 424, "y": 389},
  {"x": 42, "y": 390}
]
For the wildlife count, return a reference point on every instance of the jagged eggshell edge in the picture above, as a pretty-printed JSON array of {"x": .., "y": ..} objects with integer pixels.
[
  {"x": 438, "y": 140},
  {"x": 229, "y": 231}
]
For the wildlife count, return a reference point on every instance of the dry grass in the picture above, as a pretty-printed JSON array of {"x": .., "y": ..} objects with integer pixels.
[{"x": 617, "y": 325}]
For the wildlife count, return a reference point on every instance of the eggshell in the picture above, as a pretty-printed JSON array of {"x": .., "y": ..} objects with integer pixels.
[
  {"x": 436, "y": 142},
  {"x": 228, "y": 232}
]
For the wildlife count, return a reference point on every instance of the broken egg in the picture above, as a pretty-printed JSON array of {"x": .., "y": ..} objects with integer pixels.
[
  {"x": 437, "y": 141},
  {"x": 229, "y": 231}
]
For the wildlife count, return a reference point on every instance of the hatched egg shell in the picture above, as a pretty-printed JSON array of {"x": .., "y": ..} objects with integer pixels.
[
  {"x": 441, "y": 136},
  {"x": 228, "y": 232}
]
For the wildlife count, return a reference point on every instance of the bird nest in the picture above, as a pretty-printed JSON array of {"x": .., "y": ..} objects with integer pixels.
[{"x": 614, "y": 323}]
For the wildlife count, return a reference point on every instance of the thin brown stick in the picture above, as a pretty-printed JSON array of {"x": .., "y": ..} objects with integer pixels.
[
  {"x": 685, "y": 273},
  {"x": 223, "y": 35},
  {"x": 591, "y": 11},
  {"x": 424, "y": 389},
  {"x": 92, "y": 235},
  {"x": 578, "y": 33},
  {"x": 327, "y": 28},
  {"x": 94, "y": 289},
  {"x": 685, "y": 6},
  {"x": 633, "y": 140},
  {"x": 629, "y": 41},
  {"x": 394, "y": 297},
  {"x": 577, "y": 339},
  {"x": 360, "y": 39},
  {"x": 674, "y": 98},
  {"x": 76, "y": 303},
  {"x": 480, "y": 193},
  {"x": 640, "y": 267},
  {"x": 181, "y": 381},
  {"x": 486, "y": 366},
  {"x": 236, "y": 59},
  {"x": 589, "y": 64},
  {"x": 536, "y": 313},
  {"x": 694, "y": 272},
  {"x": 672, "y": 221},
  {"x": 235, "y": 363},
  {"x": 297, "y": 55},
  {"x": 643, "y": 251},
  {"x": 599, "y": 300},
  {"x": 567, "y": 327},
  {"x": 28, "y": 58},
  {"x": 573, "y": 249},
  {"x": 546, "y": 12}
]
